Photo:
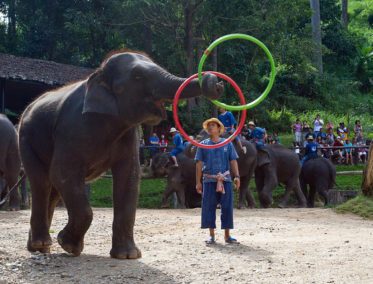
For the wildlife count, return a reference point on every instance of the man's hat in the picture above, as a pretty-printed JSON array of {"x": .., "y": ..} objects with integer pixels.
[
  {"x": 173, "y": 129},
  {"x": 251, "y": 123},
  {"x": 310, "y": 137},
  {"x": 214, "y": 120}
]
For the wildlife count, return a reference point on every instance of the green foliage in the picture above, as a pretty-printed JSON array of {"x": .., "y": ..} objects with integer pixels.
[{"x": 360, "y": 205}]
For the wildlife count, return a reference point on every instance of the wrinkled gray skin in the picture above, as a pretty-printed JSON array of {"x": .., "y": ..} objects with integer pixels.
[
  {"x": 10, "y": 163},
  {"x": 319, "y": 174},
  {"x": 182, "y": 180},
  {"x": 278, "y": 165},
  {"x": 74, "y": 134}
]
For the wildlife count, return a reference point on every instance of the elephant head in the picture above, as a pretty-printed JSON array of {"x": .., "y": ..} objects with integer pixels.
[{"x": 133, "y": 88}]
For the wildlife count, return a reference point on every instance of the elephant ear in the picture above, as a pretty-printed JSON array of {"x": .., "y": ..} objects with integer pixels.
[
  {"x": 98, "y": 97},
  {"x": 263, "y": 158}
]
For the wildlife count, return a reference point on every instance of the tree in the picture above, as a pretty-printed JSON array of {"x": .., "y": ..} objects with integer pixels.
[
  {"x": 344, "y": 15},
  {"x": 367, "y": 186},
  {"x": 316, "y": 34}
]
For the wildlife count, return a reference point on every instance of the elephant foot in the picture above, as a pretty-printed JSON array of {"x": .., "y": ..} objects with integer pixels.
[
  {"x": 125, "y": 252},
  {"x": 14, "y": 208},
  {"x": 165, "y": 206},
  {"x": 39, "y": 244},
  {"x": 69, "y": 244}
]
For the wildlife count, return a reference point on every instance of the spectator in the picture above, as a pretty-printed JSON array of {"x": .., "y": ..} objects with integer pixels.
[
  {"x": 342, "y": 131},
  {"x": 330, "y": 125},
  {"x": 330, "y": 137},
  {"x": 245, "y": 131},
  {"x": 297, "y": 130},
  {"x": 317, "y": 125},
  {"x": 358, "y": 130},
  {"x": 275, "y": 138},
  {"x": 347, "y": 152},
  {"x": 154, "y": 146},
  {"x": 337, "y": 153},
  {"x": 179, "y": 145},
  {"x": 322, "y": 135},
  {"x": 163, "y": 143}
]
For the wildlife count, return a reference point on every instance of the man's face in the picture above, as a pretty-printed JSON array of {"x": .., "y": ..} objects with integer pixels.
[
  {"x": 221, "y": 110},
  {"x": 251, "y": 127},
  {"x": 213, "y": 128}
]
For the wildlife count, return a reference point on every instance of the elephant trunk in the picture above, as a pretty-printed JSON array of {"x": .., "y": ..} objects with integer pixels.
[{"x": 167, "y": 85}]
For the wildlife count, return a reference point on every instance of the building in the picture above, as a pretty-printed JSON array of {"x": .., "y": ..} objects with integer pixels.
[{"x": 24, "y": 79}]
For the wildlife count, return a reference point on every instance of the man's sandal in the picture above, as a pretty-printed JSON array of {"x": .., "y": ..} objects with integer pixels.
[
  {"x": 210, "y": 241},
  {"x": 231, "y": 240}
]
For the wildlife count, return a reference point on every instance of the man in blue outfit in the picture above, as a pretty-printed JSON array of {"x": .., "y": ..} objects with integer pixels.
[
  {"x": 257, "y": 135},
  {"x": 310, "y": 150},
  {"x": 179, "y": 145},
  {"x": 228, "y": 120},
  {"x": 215, "y": 166}
]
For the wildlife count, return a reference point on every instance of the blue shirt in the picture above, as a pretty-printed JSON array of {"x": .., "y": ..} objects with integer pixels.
[
  {"x": 216, "y": 160},
  {"x": 154, "y": 140},
  {"x": 178, "y": 141},
  {"x": 227, "y": 119},
  {"x": 347, "y": 145},
  {"x": 258, "y": 133},
  {"x": 311, "y": 149}
]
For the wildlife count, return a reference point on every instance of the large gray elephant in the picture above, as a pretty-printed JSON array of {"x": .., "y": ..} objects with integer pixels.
[
  {"x": 74, "y": 134},
  {"x": 276, "y": 165},
  {"x": 182, "y": 180},
  {"x": 10, "y": 162},
  {"x": 320, "y": 175}
]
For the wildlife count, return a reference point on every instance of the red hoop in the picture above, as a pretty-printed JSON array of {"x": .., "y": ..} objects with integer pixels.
[{"x": 176, "y": 118}]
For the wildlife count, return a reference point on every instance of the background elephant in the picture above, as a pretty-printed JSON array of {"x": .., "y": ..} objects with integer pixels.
[
  {"x": 10, "y": 163},
  {"x": 275, "y": 165},
  {"x": 182, "y": 180},
  {"x": 72, "y": 135},
  {"x": 320, "y": 175}
]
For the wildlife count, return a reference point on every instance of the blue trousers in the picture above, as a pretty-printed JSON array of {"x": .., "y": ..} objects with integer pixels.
[{"x": 210, "y": 199}]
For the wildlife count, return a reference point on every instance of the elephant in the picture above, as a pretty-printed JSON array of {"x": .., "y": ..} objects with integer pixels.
[
  {"x": 320, "y": 175},
  {"x": 182, "y": 180},
  {"x": 72, "y": 135},
  {"x": 10, "y": 162},
  {"x": 277, "y": 164}
]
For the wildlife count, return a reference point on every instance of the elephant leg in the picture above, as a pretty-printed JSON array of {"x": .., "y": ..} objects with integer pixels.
[
  {"x": 311, "y": 196},
  {"x": 296, "y": 188},
  {"x": 285, "y": 198},
  {"x": 259, "y": 182},
  {"x": 181, "y": 197},
  {"x": 269, "y": 183},
  {"x": 303, "y": 186},
  {"x": 69, "y": 182},
  {"x": 39, "y": 238},
  {"x": 54, "y": 198},
  {"x": 325, "y": 195},
  {"x": 126, "y": 178},
  {"x": 166, "y": 194},
  {"x": 245, "y": 194},
  {"x": 14, "y": 198}
]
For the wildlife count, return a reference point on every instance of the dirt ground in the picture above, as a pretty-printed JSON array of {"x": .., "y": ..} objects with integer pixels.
[{"x": 277, "y": 246}]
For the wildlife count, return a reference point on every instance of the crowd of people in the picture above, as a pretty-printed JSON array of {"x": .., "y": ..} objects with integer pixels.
[{"x": 339, "y": 144}]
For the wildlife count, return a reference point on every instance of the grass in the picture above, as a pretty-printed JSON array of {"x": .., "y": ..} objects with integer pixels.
[{"x": 360, "y": 205}]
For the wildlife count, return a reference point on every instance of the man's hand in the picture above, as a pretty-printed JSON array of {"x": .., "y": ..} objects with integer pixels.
[
  {"x": 199, "y": 188},
  {"x": 237, "y": 182}
]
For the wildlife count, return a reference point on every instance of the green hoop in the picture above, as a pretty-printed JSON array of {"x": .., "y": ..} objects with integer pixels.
[{"x": 267, "y": 52}]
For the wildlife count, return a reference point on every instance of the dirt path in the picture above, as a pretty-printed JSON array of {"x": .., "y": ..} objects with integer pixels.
[{"x": 277, "y": 246}]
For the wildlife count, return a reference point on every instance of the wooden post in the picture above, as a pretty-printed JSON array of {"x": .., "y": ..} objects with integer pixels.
[{"x": 367, "y": 186}]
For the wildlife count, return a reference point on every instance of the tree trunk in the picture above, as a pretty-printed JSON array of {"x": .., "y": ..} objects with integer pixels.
[
  {"x": 316, "y": 34},
  {"x": 367, "y": 186},
  {"x": 344, "y": 16},
  {"x": 12, "y": 33}
]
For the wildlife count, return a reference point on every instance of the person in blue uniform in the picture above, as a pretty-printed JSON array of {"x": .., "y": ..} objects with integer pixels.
[
  {"x": 310, "y": 150},
  {"x": 257, "y": 135},
  {"x": 228, "y": 120},
  {"x": 179, "y": 145},
  {"x": 214, "y": 180}
]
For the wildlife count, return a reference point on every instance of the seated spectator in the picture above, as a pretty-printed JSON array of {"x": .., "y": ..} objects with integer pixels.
[
  {"x": 330, "y": 137},
  {"x": 337, "y": 152},
  {"x": 342, "y": 131},
  {"x": 322, "y": 135},
  {"x": 297, "y": 130},
  {"x": 347, "y": 151},
  {"x": 358, "y": 130},
  {"x": 163, "y": 143}
]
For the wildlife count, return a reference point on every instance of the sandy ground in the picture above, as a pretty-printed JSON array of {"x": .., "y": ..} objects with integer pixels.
[{"x": 277, "y": 246}]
